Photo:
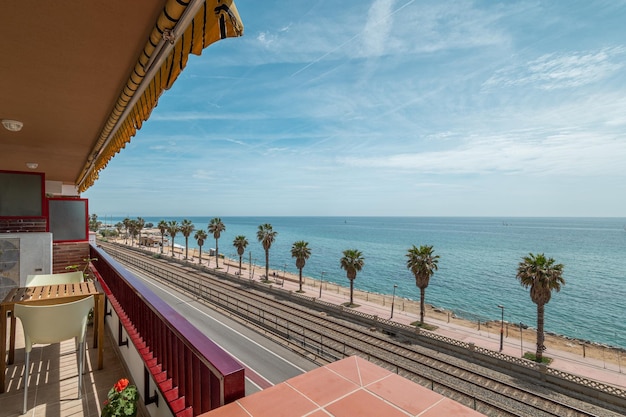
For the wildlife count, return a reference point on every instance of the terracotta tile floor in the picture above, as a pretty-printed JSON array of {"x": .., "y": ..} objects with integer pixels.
[
  {"x": 53, "y": 389},
  {"x": 347, "y": 388}
]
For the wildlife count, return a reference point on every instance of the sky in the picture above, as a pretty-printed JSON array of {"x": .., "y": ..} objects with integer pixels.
[{"x": 389, "y": 108}]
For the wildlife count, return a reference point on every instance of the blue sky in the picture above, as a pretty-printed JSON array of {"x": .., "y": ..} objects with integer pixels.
[{"x": 398, "y": 108}]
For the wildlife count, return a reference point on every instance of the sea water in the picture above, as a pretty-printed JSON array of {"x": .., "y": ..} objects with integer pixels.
[{"x": 477, "y": 265}]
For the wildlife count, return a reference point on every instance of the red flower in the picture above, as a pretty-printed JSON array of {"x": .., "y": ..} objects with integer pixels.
[{"x": 121, "y": 385}]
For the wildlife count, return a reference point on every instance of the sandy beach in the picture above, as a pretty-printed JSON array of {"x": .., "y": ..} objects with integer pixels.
[{"x": 436, "y": 316}]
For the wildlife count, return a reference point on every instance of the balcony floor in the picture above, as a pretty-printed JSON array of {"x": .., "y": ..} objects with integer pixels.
[{"x": 53, "y": 390}]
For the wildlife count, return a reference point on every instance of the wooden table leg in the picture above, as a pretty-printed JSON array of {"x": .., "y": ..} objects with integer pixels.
[{"x": 3, "y": 346}]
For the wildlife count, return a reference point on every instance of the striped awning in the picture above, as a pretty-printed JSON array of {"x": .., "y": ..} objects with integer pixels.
[{"x": 214, "y": 20}]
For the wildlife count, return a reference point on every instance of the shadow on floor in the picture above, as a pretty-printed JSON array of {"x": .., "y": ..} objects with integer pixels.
[{"x": 53, "y": 387}]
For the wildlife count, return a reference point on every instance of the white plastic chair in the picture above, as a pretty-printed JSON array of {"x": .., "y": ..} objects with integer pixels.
[
  {"x": 54, "y": 324},
  {"x": 52, "y": 279}
]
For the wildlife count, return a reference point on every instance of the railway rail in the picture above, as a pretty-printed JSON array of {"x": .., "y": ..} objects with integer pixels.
[{"x": 325, "y": 338}]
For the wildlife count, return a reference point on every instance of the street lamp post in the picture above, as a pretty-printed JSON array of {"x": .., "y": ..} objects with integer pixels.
[
  {"x": 282, "y": 284},
  {"x": 393, "y": 299},
  {"x": 501, "y": 307},
  {"x": 321, "y": 281},
  {"x": 521, "y": 340}
]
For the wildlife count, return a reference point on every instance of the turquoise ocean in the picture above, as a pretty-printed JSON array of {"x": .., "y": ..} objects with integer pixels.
[{"x": 477, "y": 266}]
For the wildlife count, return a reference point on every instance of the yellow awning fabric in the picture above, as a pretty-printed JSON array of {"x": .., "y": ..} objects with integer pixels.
[{"x": 216, "y": 19}]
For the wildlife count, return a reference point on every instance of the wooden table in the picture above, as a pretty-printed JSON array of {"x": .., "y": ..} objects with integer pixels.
[{"x": 47, "y": 295}]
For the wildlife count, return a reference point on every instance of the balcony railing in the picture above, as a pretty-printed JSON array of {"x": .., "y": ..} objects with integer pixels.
[{"x": 191, "y": 372}]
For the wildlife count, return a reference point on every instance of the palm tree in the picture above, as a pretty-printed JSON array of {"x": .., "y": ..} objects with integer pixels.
[
  {"x": 172, "y": 229},
  {"x": 352, "y": 262},
  {"x": 542, "y": 275},
  {"x": 423, "y": 264},
  {"x": 140, "y": 223},
  {"x": 126, "y": 223},
  {"x": 163, "y": 229},
  {"x": 301, "y": 251},
  {"x": 216, "y": 227},
  {"x": 132, "y": 231},
  {"x": 118, "y": 227},
  {"x": 186, "y": 228},
  {"x": 200, "y": 237},
  {"x": 266, "y": 235},
  {"x": 240, "y": 242},
  {"x": 94, "y": 224}
]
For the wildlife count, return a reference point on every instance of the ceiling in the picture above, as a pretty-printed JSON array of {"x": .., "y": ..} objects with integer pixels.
[{"x": 63, "y": 68}]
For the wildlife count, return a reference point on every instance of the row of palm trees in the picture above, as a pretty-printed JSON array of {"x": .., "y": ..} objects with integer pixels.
[
  {"x": 133, "y": 227},
  {"x": 536, "y": 272},
  {"x": 186, "y": 228}
]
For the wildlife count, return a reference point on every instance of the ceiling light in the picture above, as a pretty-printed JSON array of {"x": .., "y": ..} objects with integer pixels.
[
  {"x": 12, "y": 125},
  {"x": 32, "y": 165}
]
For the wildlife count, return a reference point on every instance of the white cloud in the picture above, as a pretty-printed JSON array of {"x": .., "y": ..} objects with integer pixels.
[
  {"x": 265, "y": 39},
  {"x": 167, "y": 145},
  {"x": 391, "y": 28},
  {"x": 173, "y": 116},
  {"x": 238, "y": 142},
  {"x": 562, "y": 70},
  {"x": 201, "y": 174},
  {"x": 377, "y": 28},
  {"x": 569, "y": 153}
]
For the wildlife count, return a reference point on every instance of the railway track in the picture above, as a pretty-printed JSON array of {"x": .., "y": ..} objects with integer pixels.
[{"x": 325, "y": 338}]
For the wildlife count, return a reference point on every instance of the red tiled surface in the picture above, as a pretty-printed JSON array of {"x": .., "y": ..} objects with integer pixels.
[
  {"x": 447, "y": 407},
  {"x": 358, "y": 370},
  {"x": 319, "y": 413},
  {"x": 363, "y": 403},
  {"x": 278, "y": 401},
  {"x": 323, "y": 386},
  {"x": 230, "y": 410},
  {"x": 402, "y": 393},
  {"x": 346, "y": 388}
]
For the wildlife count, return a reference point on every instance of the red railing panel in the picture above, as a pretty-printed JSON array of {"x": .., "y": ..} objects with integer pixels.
[{"x": 206, "y": 376}]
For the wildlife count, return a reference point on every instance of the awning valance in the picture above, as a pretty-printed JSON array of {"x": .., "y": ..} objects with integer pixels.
[{"x": 213, "y": 20}]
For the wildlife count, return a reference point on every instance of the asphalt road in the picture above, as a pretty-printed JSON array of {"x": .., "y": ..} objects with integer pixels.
[{"x": 266, "y": 362}]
